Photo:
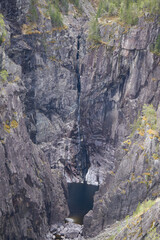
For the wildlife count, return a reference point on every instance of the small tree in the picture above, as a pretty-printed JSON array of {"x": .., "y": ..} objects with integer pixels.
[
  {"x": 94, "y": 31},
  {"x": 55, "y": 15}
]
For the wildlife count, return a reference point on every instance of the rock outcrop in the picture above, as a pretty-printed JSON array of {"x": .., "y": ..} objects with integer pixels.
[{"x": 143, "y": 224}]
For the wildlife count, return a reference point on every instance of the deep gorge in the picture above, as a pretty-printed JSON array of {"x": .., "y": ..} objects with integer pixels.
[{"x": 79, "y": 113}]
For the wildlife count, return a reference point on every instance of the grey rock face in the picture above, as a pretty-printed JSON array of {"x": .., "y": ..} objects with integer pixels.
[
  {"x": 136, "y": 179},
  {"x": 146, "y": 228},
  {"x": 117, "y": 80},
  {"x": 120, "y": 198},
  {"x": 31, "y": 197},
  {"x": 40, "y": 93},
  {"x": 50, "y": 64},
  {"x": 15, "y": 10}
]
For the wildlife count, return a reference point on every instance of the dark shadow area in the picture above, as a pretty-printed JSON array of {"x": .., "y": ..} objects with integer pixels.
[{"x": 80, "y": 200}]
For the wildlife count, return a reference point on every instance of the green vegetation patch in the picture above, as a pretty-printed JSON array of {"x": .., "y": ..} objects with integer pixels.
[
  {"x": 143, "y": 207},
  {"x": 55, "y": 15},
  {"x": 3, "y": 75},
  {"x": 53, "y": 9},
  {"x": 153, "y": 235},
  {"x": 128, "y": 10},
  {"x": 155, "y": 48},
  {"x": 8, "y": 125},
  {"x": 94, "y": 31},
  {"x": 75, "y": 2},
  {"x": 2, "y": 29},
  {"x": 148, "y": 117},
  {"x": 62, "y": 5},
  {"x": 111, "y": 237}
]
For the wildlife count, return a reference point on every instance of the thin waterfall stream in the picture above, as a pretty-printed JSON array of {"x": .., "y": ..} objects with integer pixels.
[
  {"x": 82, "y": 158},
  {"x": 78, "y": 105},
  {"x": 80, "y": 195}
]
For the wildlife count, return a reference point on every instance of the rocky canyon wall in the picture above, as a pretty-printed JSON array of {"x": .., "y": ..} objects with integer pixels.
[
  {"x": 66, "y": 107},
  {"x": 31, "y": 196},
  {"x": 117, "y": 80},
  {"x": 122, "y": 75}
]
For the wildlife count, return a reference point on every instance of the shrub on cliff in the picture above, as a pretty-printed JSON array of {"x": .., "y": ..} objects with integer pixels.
[
  {"x": 3, "y": 75},
  {"x": 55, "y": 7},
  {"x": 2, "y": 30},
  {"x": 147, "y": 118},
  {"x": 94, "y": 31},
  {"x": 129, "y": 13},
  {"x": 55, "y": 15},
  {"x": 155, "y": 48}
]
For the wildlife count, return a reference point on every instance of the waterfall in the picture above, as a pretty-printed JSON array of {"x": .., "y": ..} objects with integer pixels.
[
  {"x": 78, "y": 123},
  {"x": 82, "y": 159},
  {"x": 78, "y": 105}
]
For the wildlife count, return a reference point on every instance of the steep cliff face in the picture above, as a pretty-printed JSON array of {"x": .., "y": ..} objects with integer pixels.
[
  {"x": 31, "y": 197},
  {"x": 50, "y": 59},
  {"x": 118, "y": 78},
  {"x": 136, "y": 180},
  {"x": 130, "y": 74}
]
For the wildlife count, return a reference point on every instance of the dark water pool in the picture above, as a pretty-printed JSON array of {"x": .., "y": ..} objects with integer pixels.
[{"x": 80, "y": 200}]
